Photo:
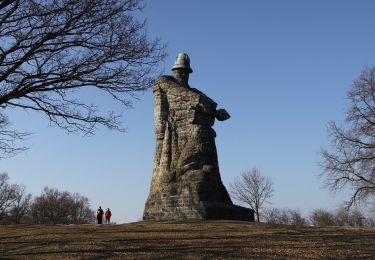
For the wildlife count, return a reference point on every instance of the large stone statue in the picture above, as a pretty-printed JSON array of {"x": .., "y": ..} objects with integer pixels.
[{"x": 186, "y": 181}]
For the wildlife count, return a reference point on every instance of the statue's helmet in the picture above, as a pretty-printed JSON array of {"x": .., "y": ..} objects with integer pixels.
[{"x": 182, "y": 62}]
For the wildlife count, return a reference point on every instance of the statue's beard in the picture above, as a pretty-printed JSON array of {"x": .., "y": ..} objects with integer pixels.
[{"x": 182, "y": 81}]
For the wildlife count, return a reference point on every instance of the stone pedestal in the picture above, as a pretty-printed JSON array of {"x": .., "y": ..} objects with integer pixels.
[{"x": 186, "y": 181}]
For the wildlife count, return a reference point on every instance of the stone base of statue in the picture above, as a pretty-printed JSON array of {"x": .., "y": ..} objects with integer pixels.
[
  {"x": 186, "y": 181},
  {"x": 177, "y": 207},
  {"x": 210, "y": 211}
]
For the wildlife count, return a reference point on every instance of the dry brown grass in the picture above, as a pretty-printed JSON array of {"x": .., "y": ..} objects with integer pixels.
[{"x": 185, "y": 240}]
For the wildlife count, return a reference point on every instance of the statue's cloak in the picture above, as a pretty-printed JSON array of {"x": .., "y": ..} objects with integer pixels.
[{"x": 186, "y": 181}]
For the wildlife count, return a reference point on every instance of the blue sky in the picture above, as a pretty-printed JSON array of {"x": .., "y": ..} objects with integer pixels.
[{"x": 280, "y": 68}]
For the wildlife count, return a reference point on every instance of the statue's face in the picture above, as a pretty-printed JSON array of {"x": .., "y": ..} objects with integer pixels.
[{"x": 182, "y": 76}]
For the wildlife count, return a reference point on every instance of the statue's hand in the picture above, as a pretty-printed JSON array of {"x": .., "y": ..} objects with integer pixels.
[{"x": 222, "y": 114}]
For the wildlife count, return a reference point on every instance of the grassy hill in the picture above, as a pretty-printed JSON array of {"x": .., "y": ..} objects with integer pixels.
[{"x": 185, "y": 240}]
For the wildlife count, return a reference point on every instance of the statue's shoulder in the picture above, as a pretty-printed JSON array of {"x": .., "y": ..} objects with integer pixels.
[
  {"x": 163, "y": 79},
  {"x": 164, "y": 82},
  {"x": 200, "y": 93},
  {"x": 196, "y": 91},
  {"x": 203, "y": 96}
]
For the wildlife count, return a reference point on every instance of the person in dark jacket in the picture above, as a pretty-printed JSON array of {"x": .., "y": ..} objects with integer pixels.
[{"x": 99, "y": 215}]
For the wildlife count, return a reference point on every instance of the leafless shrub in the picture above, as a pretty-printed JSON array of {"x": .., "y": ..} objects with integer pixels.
[
  {"x": 322, "y": 218},
  {"x": 284, "y": 216},
  {"x": 342, "y": 216},
  {"x": 61, "y": 207}
]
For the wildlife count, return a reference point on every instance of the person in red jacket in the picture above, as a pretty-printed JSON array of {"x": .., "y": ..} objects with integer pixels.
[{"x": 107, "y": 215}]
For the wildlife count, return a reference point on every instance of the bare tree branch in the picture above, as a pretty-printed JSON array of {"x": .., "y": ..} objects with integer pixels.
[
  {"x": 50, "y": 49},
  {"x": 9, "y": 139}
]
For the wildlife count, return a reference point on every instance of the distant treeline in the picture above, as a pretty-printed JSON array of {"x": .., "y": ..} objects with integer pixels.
[
  {"x": 51, "y": 207},
  {"x": 320, "y": 217}
]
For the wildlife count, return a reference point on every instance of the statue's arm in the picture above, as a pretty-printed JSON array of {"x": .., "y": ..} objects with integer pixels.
[
  {"x": 207, "y": 106},
  {"x": 221, "y": 114},
  {"x": 159, "y": 113}
]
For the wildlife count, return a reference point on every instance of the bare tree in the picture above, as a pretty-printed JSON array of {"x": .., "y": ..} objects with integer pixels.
[
  {"x": 351, "y": 162},
  {"x": 80, "y": 211},
  {"x": 8, "y": 195},
  {"x": 52, "y": 51},
  {"x": 20, "y": 210},
  {"x": 252, "y": 189},
  {"x": 297, "y": 219},
  {"x": 14, "y": 201},
  {"x": 61, "y": 207},
  {"x": 322, "y": 218}
]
